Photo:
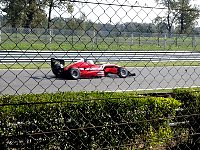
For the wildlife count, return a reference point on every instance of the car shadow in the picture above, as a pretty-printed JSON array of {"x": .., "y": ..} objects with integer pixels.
[
  {"x": 113, "y": 76},
  {"x": 44, "y": 77}
]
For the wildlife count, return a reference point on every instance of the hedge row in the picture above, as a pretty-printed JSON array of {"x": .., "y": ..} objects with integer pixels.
[
  {"x": 81, "y": 120},
  {"x": 190, "y": 113}
]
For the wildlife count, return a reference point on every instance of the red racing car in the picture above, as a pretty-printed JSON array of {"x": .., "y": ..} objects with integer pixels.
[{"x": 86, "y": 69}]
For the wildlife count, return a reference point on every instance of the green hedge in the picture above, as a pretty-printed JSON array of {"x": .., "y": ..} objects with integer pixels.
[
  {"x": 81, "y": 120},
  {"x": 190, "y": 99}
]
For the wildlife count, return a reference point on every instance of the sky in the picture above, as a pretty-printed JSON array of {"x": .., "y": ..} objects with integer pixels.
[{"x": 120, "y": 11}]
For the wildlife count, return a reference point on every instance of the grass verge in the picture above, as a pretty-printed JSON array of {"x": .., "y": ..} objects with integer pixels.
[{"x": 125, "y": 64}]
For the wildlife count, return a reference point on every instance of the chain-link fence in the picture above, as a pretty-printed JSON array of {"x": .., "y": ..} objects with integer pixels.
[
  {"x": 77, "y": 74},
  {"x": 96, "y": 39}
]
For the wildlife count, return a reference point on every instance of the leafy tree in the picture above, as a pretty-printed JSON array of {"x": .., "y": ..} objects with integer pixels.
[
  {"x": 160, "y": 25},
  {"x": 34, "y": 13},
  {"x": 63, "y": 5},
  {"x": 171, "y": 13},
  {"x": 187, "y": 16},
  {"x": 14, "y": 10},
  {"x": 26, "y": 13},
  {"x": 59, "y": 23},
  {"x": 180, "y": 13},
  {"x": 83, "y": 19},
  {"x": 30, "y": 13}
]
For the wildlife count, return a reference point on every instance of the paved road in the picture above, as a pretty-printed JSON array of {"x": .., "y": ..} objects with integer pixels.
[{"x": 40, "y": 81}]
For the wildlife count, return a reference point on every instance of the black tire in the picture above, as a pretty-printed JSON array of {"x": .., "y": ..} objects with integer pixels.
[
  {"x": 57, "y": 70},
  {"x": 123, "y": 72},
  {"x": 74, "y": 73}
]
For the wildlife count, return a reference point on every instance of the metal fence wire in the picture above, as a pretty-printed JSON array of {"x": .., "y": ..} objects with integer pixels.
[{"x": 117, "y": 47}]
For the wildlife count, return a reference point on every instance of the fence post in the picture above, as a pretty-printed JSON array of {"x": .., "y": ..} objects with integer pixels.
[
  {"x": 93, "y": 40},
  {"x": 50, "y": 34},
  {"x": 0, "y": 32},
  {"x": 165, "y": 41},
  {"x": 158, "y": 39},
  {"x": 193, "y": 41},
  {"x": 139, "y": 40},
  {"x": 118, "y": 40},
  {"x": 176, "y": 40},
  {"x": 73, "y": 37},
  {"x": 131, "y": 38}
]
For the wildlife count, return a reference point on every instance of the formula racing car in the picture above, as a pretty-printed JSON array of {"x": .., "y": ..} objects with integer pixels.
[{"x": 86, "y": 69}]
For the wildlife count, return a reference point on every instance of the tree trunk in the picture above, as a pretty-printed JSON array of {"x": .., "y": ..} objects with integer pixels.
[
  {"x": 50, "y": 10},
  {"x": 28, "y": 22},
  {"x": 182, "y": 23}
]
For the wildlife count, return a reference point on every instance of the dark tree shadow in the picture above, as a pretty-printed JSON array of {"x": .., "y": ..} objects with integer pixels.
[{"x": 185, "y": 146}]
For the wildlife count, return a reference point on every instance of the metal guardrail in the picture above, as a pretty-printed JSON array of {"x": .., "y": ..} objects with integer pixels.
[{"x": 13, "y": 56}]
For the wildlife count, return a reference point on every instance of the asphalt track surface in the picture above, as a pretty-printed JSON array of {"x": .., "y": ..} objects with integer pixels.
[{"x": 43, "y": 81}]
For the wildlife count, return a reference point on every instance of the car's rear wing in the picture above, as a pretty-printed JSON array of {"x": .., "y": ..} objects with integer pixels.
[{"x": 57, "y": 61}]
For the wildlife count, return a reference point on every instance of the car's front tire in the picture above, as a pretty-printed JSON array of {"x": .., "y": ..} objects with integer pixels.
[
  {"x": 123, "y": 72},
  {"x": 74, "y": 73}
]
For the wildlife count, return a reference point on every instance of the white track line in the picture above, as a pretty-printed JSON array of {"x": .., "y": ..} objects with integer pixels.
[{"x": 153, "y": 89}]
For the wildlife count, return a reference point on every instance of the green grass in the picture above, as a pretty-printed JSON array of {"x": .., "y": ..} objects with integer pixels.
[
  {"x": 126, "y": 64},
  {"x": 86, "y": 43},
  {"x": 91, "y": 46},
  {"x": 83, "y": 43},
  {"x": 25, "y": 66},
  {"x": 162, "y": 91},
  {"x": 160, "y": 64}
]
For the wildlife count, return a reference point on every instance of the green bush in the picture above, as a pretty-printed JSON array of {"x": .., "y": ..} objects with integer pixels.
[
  {"x": 190, "y": 99},
  {"x": 83, "y": 120}
]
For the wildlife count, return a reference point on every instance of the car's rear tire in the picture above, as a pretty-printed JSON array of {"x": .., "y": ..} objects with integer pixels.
[
  {"x": 57, "y": 70},
  {"x": 123, "y": 72},
  {"x": 74, "y": 73}
]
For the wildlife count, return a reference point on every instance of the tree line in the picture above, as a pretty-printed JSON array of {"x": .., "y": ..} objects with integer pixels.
[
  {"x": 180, "y": 17},
  {"x": 180, "y": 13},
  {"x": 32, "y": 13}
]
